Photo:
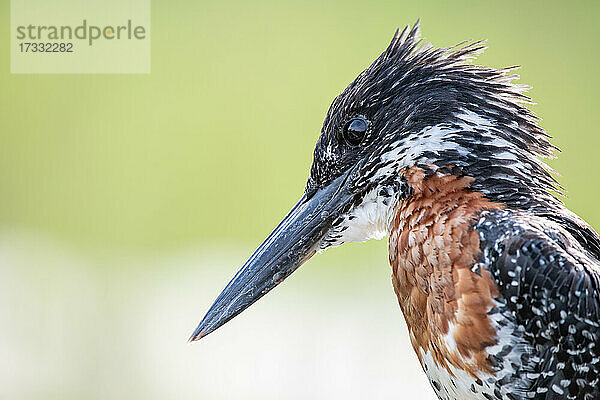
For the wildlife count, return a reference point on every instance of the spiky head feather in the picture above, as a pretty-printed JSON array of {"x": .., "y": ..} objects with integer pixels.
[{"x": 431, "y": 107}]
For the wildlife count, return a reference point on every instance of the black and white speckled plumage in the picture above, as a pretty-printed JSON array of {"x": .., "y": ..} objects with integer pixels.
[
  {"x": 549, "y": 283},
  {"x": 428, "y": 107}
]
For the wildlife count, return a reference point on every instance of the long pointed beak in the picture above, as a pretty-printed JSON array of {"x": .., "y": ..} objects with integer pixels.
[{"x": 292, "y": 242}]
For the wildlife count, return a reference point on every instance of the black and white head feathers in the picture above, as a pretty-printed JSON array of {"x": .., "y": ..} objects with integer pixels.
[
  {"x": 412, "y": 87},
  {"x": 430, "y": 107}
]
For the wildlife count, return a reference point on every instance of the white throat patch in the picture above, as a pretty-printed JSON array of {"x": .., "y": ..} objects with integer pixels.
[{"x": 369, "y": 220}]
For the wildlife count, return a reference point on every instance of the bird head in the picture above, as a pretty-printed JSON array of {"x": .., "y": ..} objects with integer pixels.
[{"x": 414, "y": 106}]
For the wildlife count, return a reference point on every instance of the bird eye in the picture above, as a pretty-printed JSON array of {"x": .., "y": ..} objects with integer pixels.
[{"x": 354, "y": 131}]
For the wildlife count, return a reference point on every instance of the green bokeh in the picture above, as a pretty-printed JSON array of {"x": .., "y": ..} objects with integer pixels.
[
  {"x": 127, "y": 201},
  {"x": 215, "y": 144}
]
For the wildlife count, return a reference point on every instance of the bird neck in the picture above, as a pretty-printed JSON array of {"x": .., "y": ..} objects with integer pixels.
[
  {"x": 439, "y": 206},
  {"x": 432, "y": 247},
  {"x": 500, "y": 153}
]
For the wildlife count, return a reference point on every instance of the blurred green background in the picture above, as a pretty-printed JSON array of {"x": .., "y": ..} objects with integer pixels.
[{"x": 127, "y": 201}]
